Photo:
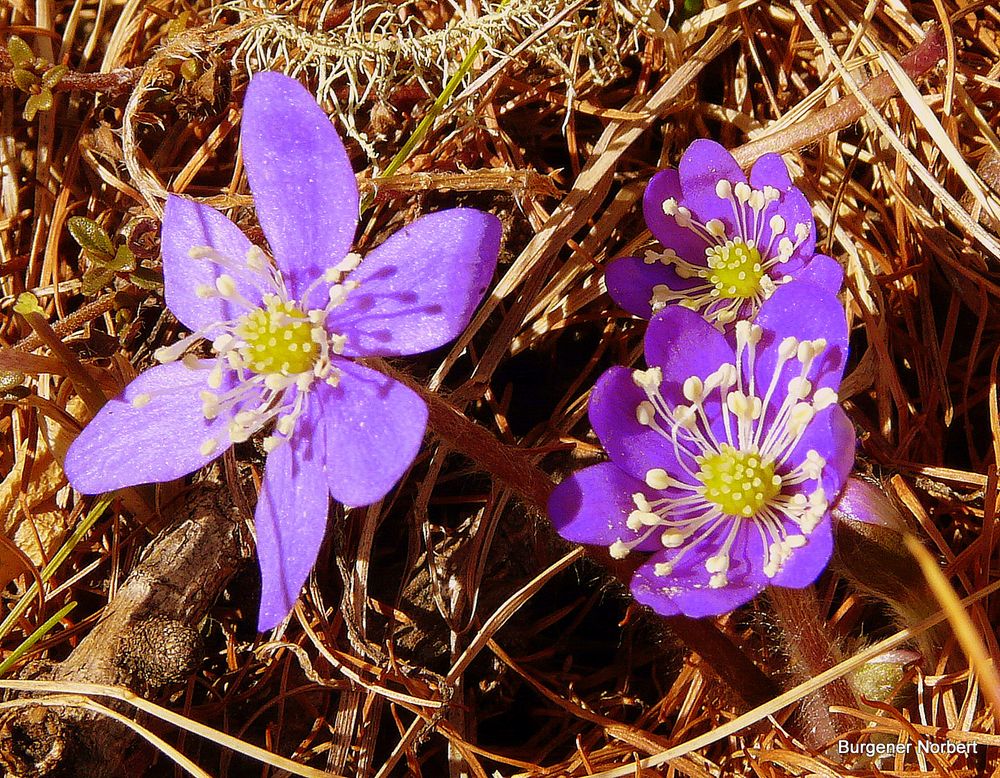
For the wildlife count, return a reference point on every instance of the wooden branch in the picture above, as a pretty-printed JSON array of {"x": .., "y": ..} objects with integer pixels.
[{"x": 148, "y": 638}]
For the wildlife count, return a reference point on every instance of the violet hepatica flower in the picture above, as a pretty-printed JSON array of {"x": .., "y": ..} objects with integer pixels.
[
  {"x": 282, "y": 337},
  {"x": 724, "y": 461},
  {"x": 727, "y": 241}
]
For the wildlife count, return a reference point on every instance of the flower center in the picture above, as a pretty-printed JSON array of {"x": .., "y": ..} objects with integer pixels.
[
  {"x": 735, "y": 269},
  {"x": 723, "y": 483},
  {"x": 278, "y": 339},
  {"x": 270, "y": 356},
  {"x": 739, "y": 482}
]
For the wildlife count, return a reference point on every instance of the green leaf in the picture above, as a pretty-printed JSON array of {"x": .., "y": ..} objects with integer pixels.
[
  {"x": 95, "y": 279},
  {"x": 24, "y": 80},
  {"x": 27, "y": 303},
  {"x": 9, "y": 379},
  {"x": 190, "y": 70},
  {"x": 124, "y": 259},
  {"x": 19, "y": 51},
  {"x": 51, "y": 76},
  {"x": 36, "y": 103},
  {"x": 91, "y": 236},
  {"x": 146, "y": 278}
]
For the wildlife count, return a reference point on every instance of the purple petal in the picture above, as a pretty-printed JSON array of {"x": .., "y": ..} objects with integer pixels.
[
  {"x": 592, "y": 505},
  {"x": 630, "y": 282},
  {"x": 806, "y": 312},
  {"x": 770, "y": 170},
  {"x": 634, "y": 448},
  {"x": 124, "y": 445},
  {"x": 419, "y": 289},
  {"x": 682, "y": 344},
  {"x": 794, "y": 208},
  {"x": 703, "y": 165},
  {"x": 290, "y": 522},
  {"x": 824, "y": 272},
  {"x": 684, "y": 242},
  {"x": 831, "y": 435},
  {"x": 371, "y": 426},
  {"x": 304, "y": 189},
  {"x": 806, "y": 563},
  {"x": 188, "y": 225},
  {"x": 686, "y": 591}
]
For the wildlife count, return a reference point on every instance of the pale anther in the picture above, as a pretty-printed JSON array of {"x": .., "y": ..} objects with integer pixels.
[
  {"x": 694, "y": 389},
  {"x": 226, "y": 285},
  {"x": 657, "y": 478},
  {"x": 824, "y": 398}
]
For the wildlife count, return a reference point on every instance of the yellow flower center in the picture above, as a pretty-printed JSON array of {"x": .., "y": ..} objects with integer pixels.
[
  {"x": 735, "y": 269},
  {"x": 279, "y": 339},
  {"x": 739, "y": 482}
]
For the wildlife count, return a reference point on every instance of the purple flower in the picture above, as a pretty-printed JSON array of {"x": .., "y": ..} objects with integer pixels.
[
  {"x": 723, "y": 463},
  {"x": 728, "y": 243},
  {"x": 283, "y": 336}
]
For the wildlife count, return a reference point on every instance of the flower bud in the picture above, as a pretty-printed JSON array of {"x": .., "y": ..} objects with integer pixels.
[
  {"x": 869, "y": 541},
  {"x": 878, "y": 678},
  {"x": 871, "y": 554}
]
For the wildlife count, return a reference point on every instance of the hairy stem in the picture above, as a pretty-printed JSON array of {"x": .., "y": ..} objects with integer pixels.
[{"x": 811, "y": 650}]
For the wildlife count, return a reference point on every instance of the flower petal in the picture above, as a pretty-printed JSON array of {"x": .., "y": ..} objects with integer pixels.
[
  {"x": 770, "y": 170},
  {"x": 685, "y": 589},
  {"x": 684, "y": 242},
  {"x": 290, "y": 522},
  {"x": 806, "y": 563},
  {"x": 125, "y": 445},
  {"x": 304, "y": 189},
  {"x": 824, "y": 272},
  {"x": 189, "y": 225},
  {"x": 831, "y": 435},
  {"x": 805, "y": 312},
  {"x": 372, "y": 427},
  {"x": 634, "y": 448},
  {"x": 703, "y": 165},
  {"x": 630, "y": 282},
  {"x": 682, "y": 344},
  {"x": 592, "y": 505},
  {"x": 419, "y": 289},
  {"x": 793, "y": 207}
]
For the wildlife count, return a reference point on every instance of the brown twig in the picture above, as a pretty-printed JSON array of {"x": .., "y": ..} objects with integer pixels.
[
  {"x": 71, "y": 323},
  {"x": 82, "y": 381},
  {"x": 115, "y": 82},
  {"x": 147, "y": 638},
  {"x": 820, "y": 124}
]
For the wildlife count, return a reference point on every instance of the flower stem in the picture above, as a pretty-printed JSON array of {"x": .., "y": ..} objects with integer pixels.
[
  {"x": 812, "y": 650},
  {"x": 516, "y": 470}
]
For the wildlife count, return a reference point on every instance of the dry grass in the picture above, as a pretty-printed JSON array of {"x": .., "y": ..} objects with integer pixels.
[{"x": 446, "y": 630}]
